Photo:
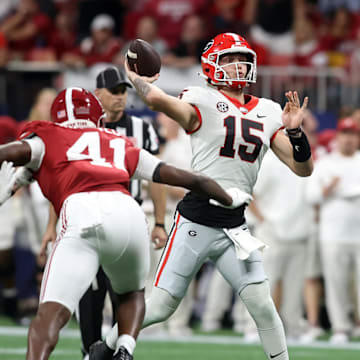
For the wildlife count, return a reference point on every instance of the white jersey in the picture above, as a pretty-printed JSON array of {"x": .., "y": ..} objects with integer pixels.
[
  {"x": 228, "y": 146},
  {"x": 232, "y": 139}
]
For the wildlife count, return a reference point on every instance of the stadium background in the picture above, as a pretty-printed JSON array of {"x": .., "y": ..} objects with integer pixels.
[{"x": 308, "y": 45}]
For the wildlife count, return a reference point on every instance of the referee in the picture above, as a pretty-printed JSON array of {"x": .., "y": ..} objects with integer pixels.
[{"x": 111, "y": 89}]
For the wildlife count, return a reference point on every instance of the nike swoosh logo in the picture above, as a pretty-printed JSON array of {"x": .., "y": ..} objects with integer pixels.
[
  {"x": 260, "y": 116},
  {"x": 297, "y": 148},
  {"x": 276, "y": 355}
]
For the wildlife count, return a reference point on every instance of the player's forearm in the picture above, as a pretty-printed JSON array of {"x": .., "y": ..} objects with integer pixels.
[
  {"x": 158, "y": 197},
  {"x": 202, "y": 185},
  {"x": 303, "y": 168},
  {"x": 149, "y": 93},
  {"x": 17, "y": 152}
]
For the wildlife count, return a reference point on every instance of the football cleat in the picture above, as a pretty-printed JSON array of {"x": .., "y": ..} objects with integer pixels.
[
  {"x": 100, "y": 351},
  {"x": 122, "y": 354}
]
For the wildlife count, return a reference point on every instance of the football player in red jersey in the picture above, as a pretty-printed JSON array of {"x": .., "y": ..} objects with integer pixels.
[
  {"x": 85, "y": 171},
  {"x": 230, "y": 133}
]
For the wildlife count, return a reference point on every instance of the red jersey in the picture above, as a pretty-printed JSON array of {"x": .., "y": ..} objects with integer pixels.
[{"x": 82, "y": 160}]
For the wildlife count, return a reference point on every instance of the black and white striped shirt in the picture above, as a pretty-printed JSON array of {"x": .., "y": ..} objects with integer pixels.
[{"x": 143, "y": 135}]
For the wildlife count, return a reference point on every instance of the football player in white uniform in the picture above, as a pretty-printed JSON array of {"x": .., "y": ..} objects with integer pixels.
[{"x": 230, "y": 133}]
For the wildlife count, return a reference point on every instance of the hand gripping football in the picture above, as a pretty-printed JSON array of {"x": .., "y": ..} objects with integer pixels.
[{"x": 143, "y": 58}]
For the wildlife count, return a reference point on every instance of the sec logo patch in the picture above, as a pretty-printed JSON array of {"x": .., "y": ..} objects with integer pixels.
[{"x": 222, "y": 107}]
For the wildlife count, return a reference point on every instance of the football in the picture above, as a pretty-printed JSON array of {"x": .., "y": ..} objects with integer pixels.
[{"x": 143, "y": 58}]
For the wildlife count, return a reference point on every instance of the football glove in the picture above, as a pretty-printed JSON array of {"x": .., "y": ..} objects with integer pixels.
[
  {"x": 7, "y": 181},
  {"x": 239, "y": 198},
  {"x": 23, "y": 176}
]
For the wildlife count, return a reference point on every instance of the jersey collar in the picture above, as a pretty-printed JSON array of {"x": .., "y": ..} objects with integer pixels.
[{"x": 250, "y": 101}]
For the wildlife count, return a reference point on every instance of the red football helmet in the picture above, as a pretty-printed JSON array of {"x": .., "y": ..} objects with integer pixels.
[
  {"x": 228, "y": 43},
  {"x": 77, "y": 107}
]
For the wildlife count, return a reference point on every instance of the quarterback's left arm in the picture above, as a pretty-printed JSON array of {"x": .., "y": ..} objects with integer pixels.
[{"x": 293, "y": 148}]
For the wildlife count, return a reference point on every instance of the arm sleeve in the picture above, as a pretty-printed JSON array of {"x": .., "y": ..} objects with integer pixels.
[
  {"x": 146, "y": 166},
  {"x": 37, "y": 152}
]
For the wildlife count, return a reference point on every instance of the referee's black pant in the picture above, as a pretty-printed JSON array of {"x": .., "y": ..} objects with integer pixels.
[{"x": 91, "y": 310}]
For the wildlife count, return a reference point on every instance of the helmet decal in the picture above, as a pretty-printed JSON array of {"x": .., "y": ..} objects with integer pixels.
[
  {"x": 208, "y": 45},
  {"x": 77, "y": 107}
]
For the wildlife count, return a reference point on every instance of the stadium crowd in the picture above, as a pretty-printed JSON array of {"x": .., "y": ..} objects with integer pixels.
[
  {"x": 298, "y": 32},
  {"x": 309, "y": 290}
]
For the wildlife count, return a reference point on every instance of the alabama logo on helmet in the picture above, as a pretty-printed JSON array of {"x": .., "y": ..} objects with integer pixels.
[{"x": 215, "y": 73}]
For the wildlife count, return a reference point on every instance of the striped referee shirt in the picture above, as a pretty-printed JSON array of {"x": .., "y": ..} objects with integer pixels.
[{"x": 143, "y": 135}]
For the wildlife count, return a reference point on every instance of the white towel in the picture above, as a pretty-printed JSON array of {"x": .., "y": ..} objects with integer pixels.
[{"x": 244, "y": 242}]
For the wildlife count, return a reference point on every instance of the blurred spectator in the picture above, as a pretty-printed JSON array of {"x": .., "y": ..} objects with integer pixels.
[
  {"x": 6, "y": 6},
  {"x": 334, "y": 186},
  {"x": 327, "y": 6},
  {"x": 102, "y": 46},
  {"x": 4, "y": 53},
  {"x": 170, "y": 15},
  {"x": 307, "y": 46},
  {"x": 63, "y": 37},
  {"x": 8, "y": 129},
  {"x": 354, "y": 61},
  {"x": 356, "y": 115},
  {"x": 326, "y": 140},
  {"x": 87, "y": 10},
  {"x": 25, "y": 28},
  {"x": 192, "y": 42},
  {"x": 274, "y": 21},
  {"x": 313, "y": 288},
  {"x": 340, "y": 36},
  {"x": 146, "y": 29},
  {"x": 40, "y": 110},
  {"x": 231, "y": 16},
  {"x": 8, "y": 223},
  {"x": 42, "y": 104}
]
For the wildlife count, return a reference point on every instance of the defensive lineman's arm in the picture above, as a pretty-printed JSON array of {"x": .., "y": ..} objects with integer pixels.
[
  {"x": 157, "y": 100},
  {"x": 18, "y": 152}
]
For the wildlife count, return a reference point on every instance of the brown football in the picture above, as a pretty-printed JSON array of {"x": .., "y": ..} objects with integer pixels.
[{"x": 143, "y": 58}]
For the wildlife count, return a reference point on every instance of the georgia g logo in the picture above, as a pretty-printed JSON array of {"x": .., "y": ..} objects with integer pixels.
[
  {"x": 222, "y": 107},
  {"x": 208, "y": 45}
]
